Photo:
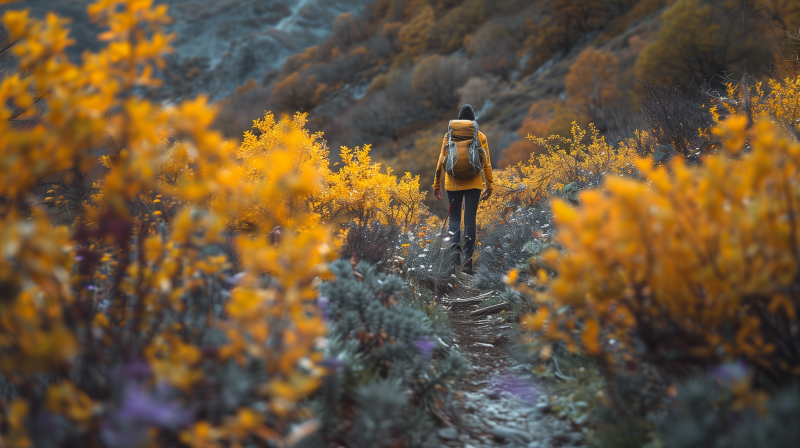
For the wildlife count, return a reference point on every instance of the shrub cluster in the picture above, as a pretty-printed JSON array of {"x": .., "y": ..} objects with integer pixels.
[
  {"x": 157, "y": 285},
  {"x": 569, "y": 165},
  {"x": 687, "y": 268},
  {"x": 693, "y": 267}
]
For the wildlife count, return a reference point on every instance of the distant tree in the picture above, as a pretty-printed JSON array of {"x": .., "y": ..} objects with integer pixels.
[
  {"x": 414, "y": 7},
  {"x": 388, "y": 108},
  {"x": 477, "y": 91},
  {"x": 700, "y": 39},
  {"x": 780, "y": 22},
  {"x": 565, "y": 22},
  {"x": 493, "y": 50},
  {"x": 391, "y": 31},
  {"x": 347, "y": 30},
  {"x": 437, "y": 79},
  {"x": 297, "y": 92},
  {"x": 378, "y": 117},
  {"x": 593, "y": 83},
  {"x": 415, "y": 37},
  {"x": 458, "y": 22}
]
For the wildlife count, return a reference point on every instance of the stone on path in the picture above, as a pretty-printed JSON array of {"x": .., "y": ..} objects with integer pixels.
[
  {"x": 516, "y": 435},
  {"x": 448, "y": 433}
]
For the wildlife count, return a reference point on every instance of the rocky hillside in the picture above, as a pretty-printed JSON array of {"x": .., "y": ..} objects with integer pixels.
[
  {"x": 393, "y": 73},
  {"x": 221, "y": 43}
]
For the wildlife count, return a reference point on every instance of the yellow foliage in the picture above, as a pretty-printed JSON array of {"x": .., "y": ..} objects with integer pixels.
[
  {"x": 696, "y": 260},
  {"x": 360, "y": 192},
  {"x": 53, "y": 279},
  {"x": 279, "y": 151},
  {"x": 581, "y": 160},
  {"x": 125, "y": 279},
  {"x": 572, "y": 159},
  {"x": 357, "y": 189},
  {"x": 779, "y": 101}
]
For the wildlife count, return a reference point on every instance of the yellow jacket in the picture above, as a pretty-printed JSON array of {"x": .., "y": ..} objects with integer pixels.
[{"x": 481, "y": 182}]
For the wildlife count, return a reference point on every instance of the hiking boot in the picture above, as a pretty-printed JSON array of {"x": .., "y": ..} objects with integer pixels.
[
  {"x": 452, "y": 260},
  {"x": 466, "y": 268}
]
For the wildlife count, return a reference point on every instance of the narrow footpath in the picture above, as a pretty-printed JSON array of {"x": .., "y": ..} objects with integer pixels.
[{"x": 501, "y": 403}]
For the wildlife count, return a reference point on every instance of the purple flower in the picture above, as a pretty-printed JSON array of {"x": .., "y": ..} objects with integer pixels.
[
  {"x": 425, "y": 348},
  {"x": 728, "y": 372},
  {"x": 141, "y": 409},
  {"x": 324, "y": 305},
  {"x": 510, "y": 385},
  {"x": 331, "y": 362},
  {"x": 90, "y": 288},
  {"x": 137, "y": 369},
  {"x": 150, "y": 409}
]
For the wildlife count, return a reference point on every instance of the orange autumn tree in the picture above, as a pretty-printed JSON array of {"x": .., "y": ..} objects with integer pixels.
[
  {"x": 127, "y": 303},
  {"x": 692, "y": 266},
  {"x": 592, "y": 84}
]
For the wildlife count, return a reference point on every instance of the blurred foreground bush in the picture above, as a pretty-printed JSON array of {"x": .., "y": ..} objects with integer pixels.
[
  {"x": 696, "y": 266},
  {"x": 180, "y": 304}
]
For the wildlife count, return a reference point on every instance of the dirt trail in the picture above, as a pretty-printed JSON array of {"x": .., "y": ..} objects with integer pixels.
[{"x": 502, "y": 404}]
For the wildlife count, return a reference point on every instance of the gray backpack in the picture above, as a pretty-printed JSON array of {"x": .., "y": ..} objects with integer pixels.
[{"x": 464, "y": 159}]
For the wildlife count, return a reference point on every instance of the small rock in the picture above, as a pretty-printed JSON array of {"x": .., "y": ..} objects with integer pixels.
[
  {"x": 502, "y": 433},
  {"x": 534, "y": 445},
  {"x": 470, "y": 407},
  {"x": 448, "y": 433},
  {"x": 468, "y": 446},
  {"x": 580, "y": 421},
  {"x": 493, "y": 395}
]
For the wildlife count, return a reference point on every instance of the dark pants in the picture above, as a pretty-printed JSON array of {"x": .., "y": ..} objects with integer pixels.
[{"x": 470, "y": 198}]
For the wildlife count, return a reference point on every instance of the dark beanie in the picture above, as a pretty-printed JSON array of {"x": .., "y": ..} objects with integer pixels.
[{"x": 467, "y": 113}]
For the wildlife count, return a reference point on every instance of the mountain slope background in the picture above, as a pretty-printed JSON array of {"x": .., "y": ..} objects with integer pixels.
[
  {"x": 391, "y": 74},
  {"x": 220, "y": 43}
]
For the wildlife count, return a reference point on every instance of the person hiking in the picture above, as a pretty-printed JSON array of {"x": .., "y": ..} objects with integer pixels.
[{"x": 464, "y": 160}]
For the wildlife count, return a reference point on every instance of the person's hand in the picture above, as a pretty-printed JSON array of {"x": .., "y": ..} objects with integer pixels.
[
  {"x": 486, "y": 193},
  {"x": 437, "y": 193}
]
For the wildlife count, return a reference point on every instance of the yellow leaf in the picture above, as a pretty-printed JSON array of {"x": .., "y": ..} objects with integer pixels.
[{"x": 590, "y": 337}]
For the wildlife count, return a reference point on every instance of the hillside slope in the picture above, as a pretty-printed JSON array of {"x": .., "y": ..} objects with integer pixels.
[
  {"x": 392, "y": 74},
  {"x": 220, "y": 44}
]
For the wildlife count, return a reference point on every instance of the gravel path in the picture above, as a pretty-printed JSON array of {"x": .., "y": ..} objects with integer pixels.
[{"x": 501, "y": 404}]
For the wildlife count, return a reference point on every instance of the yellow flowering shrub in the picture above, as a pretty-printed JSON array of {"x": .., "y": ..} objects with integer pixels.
[
  {"x": 358, "y": 191},
  {"x": 577, "y": 160},
  {"x": 693, "y": 265},
  {"x": 779, "y": 100},
  {"x": 582, "y": 160},
  {"x": 262, "y": 161},
  {"x": 137, "y": 285}
]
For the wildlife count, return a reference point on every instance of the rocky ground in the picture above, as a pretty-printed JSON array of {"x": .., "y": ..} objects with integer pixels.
[{"x": 502, "y": 403}]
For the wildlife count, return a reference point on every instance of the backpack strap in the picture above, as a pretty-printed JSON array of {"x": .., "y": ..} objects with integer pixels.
[
  {"x": 449, "y": 132},
  {"x": 476, "y": 140}
]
